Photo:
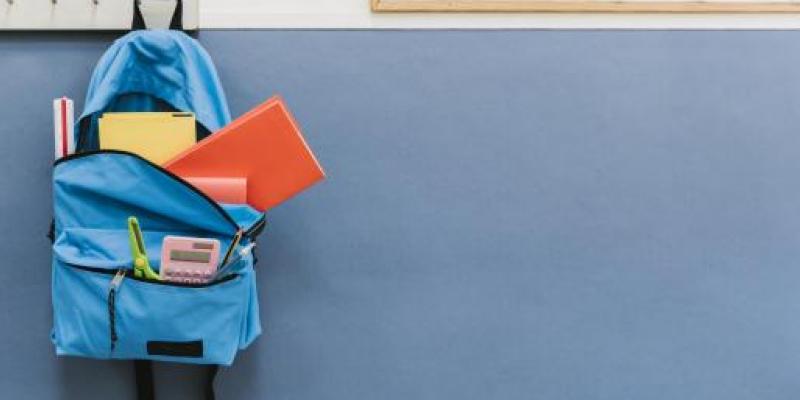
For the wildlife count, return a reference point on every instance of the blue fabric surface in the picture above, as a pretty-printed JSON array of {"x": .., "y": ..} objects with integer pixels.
[{"x": 94, "y": 194}]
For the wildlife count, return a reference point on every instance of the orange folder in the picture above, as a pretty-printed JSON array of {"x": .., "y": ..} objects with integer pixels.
[{"x": 263, "y": 146}]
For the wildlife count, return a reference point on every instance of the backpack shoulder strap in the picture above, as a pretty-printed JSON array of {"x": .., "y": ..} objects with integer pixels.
[
  {"x": 145, "y": 388},
  {"x": 145, "y": 385}
]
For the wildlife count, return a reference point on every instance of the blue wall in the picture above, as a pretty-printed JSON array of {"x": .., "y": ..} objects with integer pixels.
[{"x": 509, "y": 215}]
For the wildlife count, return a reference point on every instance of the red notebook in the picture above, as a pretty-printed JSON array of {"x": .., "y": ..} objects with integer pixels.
[{"x": 263, "y": 146}]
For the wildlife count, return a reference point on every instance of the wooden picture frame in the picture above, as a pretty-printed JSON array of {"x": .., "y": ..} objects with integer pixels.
[{"x": 634, "y": 6}]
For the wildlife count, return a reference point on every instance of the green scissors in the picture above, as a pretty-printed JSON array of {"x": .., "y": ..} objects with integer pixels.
[{"x": 141, "y": 265}]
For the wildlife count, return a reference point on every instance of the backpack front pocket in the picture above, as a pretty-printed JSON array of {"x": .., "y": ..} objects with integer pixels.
[{"x": 102, "y": 314}]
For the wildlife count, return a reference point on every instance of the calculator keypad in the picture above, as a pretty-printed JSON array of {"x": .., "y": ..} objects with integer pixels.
[{"x": 187, "y": 275}]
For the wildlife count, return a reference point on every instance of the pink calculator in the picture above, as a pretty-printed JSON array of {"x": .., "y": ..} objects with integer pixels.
[{"x": 189, "y": 259}]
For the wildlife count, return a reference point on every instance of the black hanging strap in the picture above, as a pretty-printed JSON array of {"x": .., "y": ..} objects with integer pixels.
[
  {"x": 145, "y": 386},
  {"x": 209, "y": 381},
  {"x": 145, "y": 389},
  {"x": 175, "y": 23}
]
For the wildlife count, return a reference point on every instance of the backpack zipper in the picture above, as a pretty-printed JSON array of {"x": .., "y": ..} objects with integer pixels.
[
  {"x": 176, "y": 178},
  {"x": 129, "y": 275},
  {"x": 255, "y": 229},
  {"x": 252, "y": 231}
]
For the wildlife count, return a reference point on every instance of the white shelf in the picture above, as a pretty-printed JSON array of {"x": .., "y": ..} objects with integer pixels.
[
  {"x": 78, "y": 14},
  {"x": 352, "y": 14}
]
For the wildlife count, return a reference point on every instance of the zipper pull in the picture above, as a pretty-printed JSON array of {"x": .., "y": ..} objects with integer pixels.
[
  {"x": 118, "y": 277},
  {"x": 112, "y": 298}
]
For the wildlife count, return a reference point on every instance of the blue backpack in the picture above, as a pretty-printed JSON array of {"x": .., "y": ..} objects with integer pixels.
[{"x": 95, "y": 191}]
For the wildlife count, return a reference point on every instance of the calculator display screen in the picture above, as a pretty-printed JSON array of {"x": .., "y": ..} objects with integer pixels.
[{"x": 190, "y": 256}]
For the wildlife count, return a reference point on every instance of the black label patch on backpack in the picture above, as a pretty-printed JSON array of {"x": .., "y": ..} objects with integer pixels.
[{"x": 176, "y": 349}]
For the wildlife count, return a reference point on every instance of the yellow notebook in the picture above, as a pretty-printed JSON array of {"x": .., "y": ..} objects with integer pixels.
[{"x": 156, "y": 136}]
